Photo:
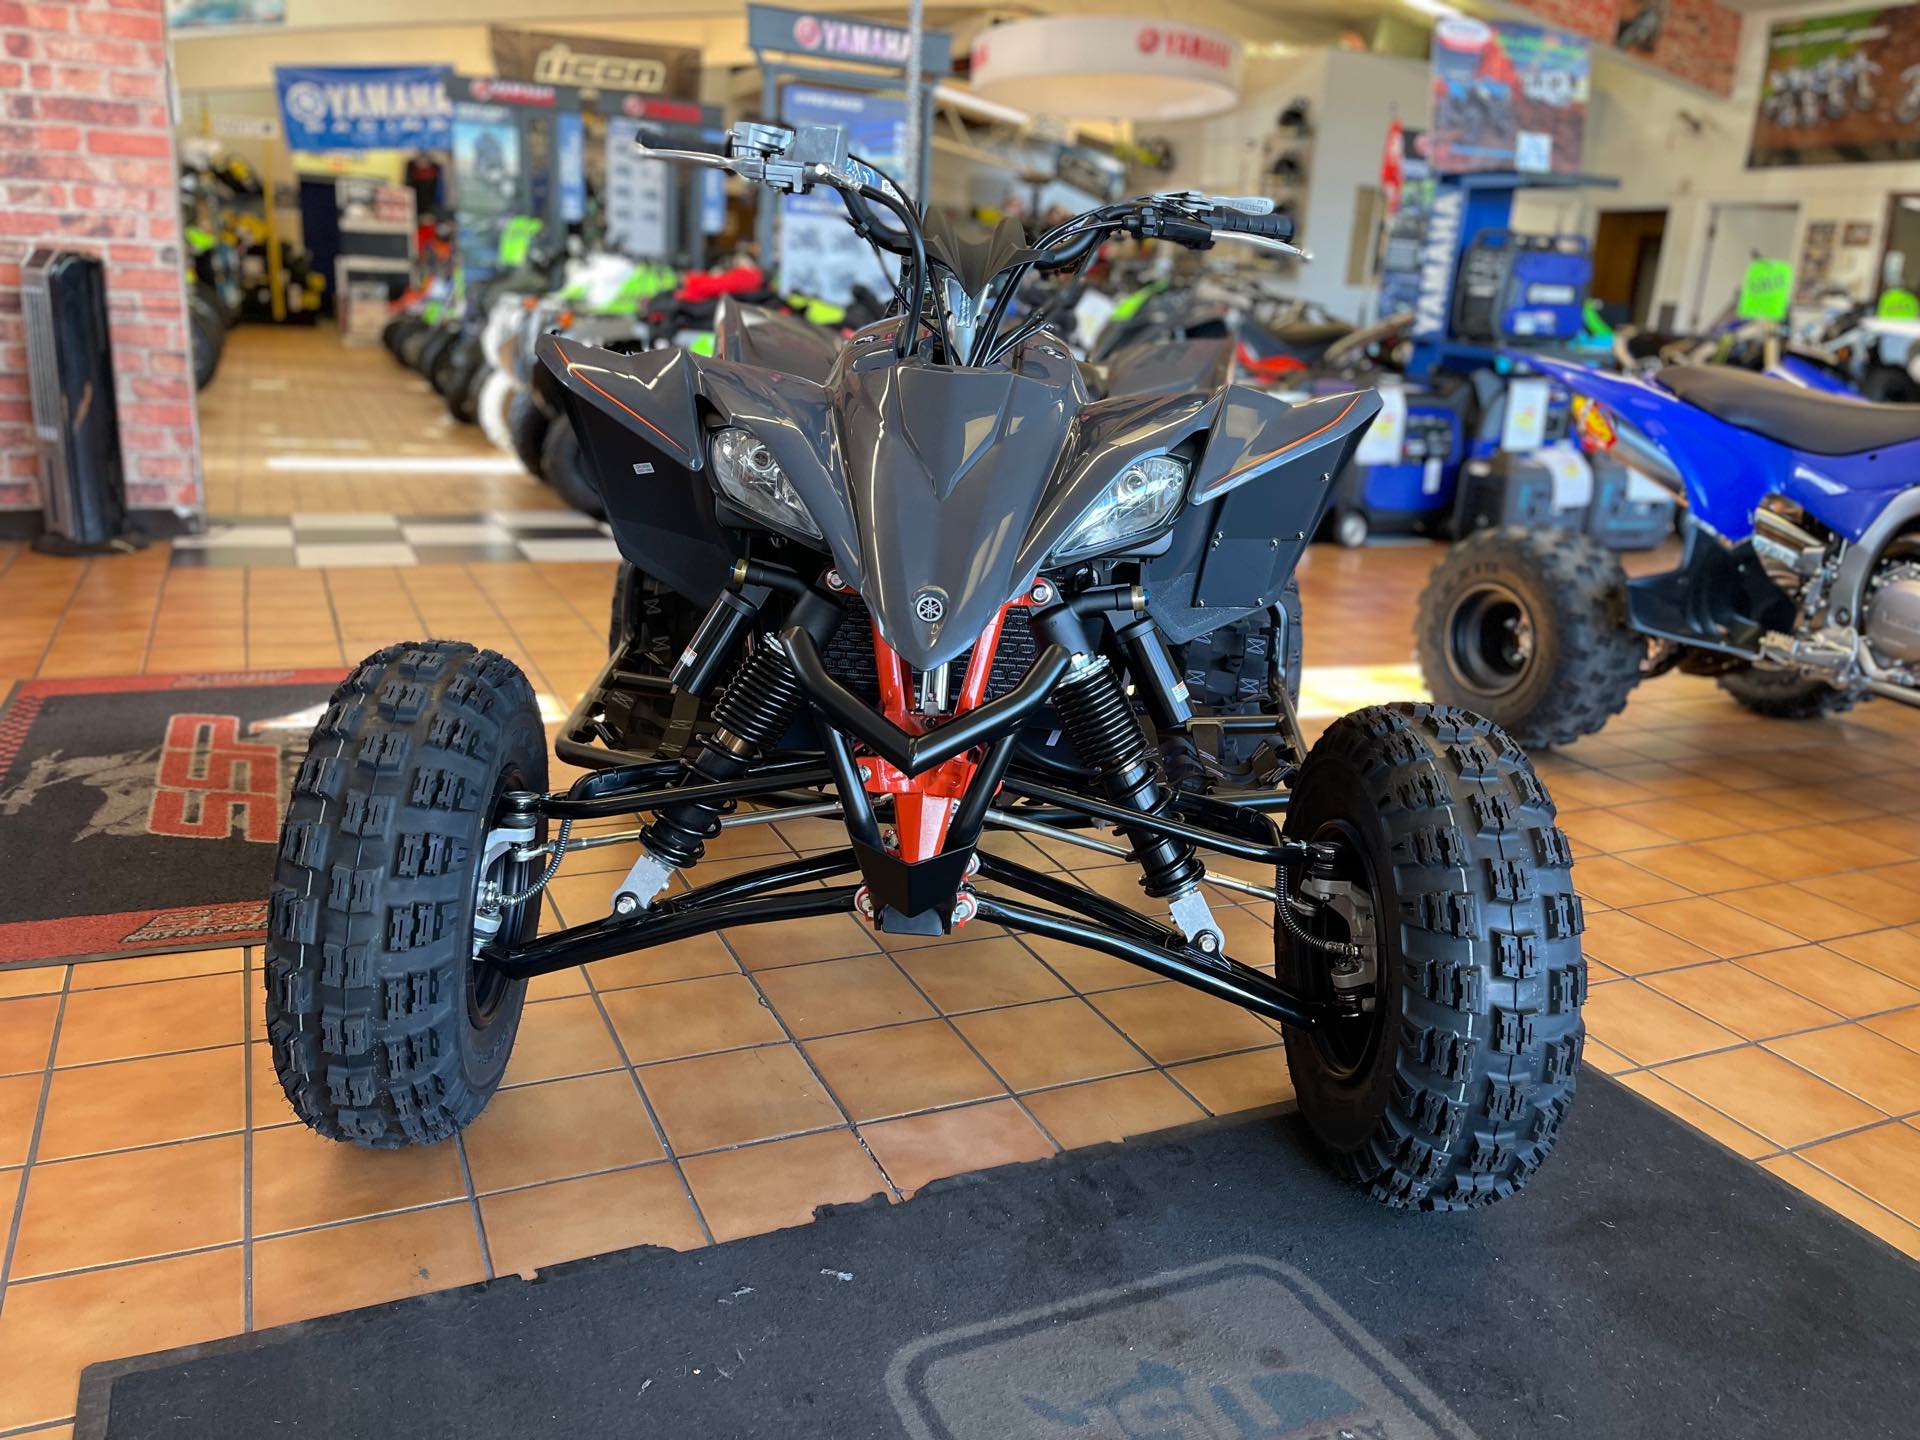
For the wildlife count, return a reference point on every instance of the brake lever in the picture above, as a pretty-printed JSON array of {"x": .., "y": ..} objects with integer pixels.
[{"x": 1265, "y": 242}]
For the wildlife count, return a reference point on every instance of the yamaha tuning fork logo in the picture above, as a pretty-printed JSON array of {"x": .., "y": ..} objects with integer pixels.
[{"x": 931, "y": 606}]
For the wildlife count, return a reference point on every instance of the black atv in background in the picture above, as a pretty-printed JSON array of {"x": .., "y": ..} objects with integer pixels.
[{"x": 941, "y": 592}]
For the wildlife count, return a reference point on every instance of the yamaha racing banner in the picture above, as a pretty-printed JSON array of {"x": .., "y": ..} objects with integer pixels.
[
  {"x": 1507, "y": 97},
  {"x": 364, "y": 107},
  {"x": 1840, "y": 88}
]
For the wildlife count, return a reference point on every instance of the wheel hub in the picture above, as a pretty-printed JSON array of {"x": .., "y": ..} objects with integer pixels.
[
  {"x": 1491, "y": 641},
  {"x": 1340, "y": 914}
]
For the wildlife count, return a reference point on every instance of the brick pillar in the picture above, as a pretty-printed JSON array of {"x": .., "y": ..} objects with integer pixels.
[{"x": 87, "y": 163}]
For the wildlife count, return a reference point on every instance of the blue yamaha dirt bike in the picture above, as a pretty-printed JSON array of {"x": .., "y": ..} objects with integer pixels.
[{"x": 1798, "y": 588}]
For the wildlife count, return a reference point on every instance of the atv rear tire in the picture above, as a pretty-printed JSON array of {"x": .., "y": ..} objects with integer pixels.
[
  {"x": 527, "y": 426},
  {"x": 208, "y": 337},
  {"x": 492, "y": 401},
  {"x": 1529, "y": 627},
  {"x": 1450, "y": 1092},
  {"x": 563, "y": 464},
  {"x": 1784, "y": 695},
  {"x": 386, "y": 1029},
  {"x": 433, "y": 350},
  {"x": 1237, "y": 669}
]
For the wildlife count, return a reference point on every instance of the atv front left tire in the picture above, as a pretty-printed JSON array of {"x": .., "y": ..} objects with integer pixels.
[
  {"x": 1530, "y": 628},
  {"x": 1450, "y": 1091},
  {"x": 387, "y": 1030}
]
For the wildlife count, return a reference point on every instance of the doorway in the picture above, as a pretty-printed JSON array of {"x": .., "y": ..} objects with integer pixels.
[
  {"x": 1900, "y": 245},
  {"x": 1626, "y": 263},
  {"x": 1737, "y": 235}
]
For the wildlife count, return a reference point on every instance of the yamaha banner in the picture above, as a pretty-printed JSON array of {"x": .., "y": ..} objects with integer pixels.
[{"x": 365, "y": 107}]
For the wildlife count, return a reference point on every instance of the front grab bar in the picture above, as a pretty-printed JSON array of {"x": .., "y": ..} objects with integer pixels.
[{"x": 915, "y": 754}]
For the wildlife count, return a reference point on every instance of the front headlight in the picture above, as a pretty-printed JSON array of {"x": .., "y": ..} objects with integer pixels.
[
  {"x": 1141, "y": 499},
  {"x": 746, "y": 473}
]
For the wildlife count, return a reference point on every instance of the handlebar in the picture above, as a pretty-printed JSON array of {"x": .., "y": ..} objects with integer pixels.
[{"x": 797, "y": 159}]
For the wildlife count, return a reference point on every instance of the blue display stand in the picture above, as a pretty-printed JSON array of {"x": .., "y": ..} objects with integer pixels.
[{"x": 1466, "y": 207}]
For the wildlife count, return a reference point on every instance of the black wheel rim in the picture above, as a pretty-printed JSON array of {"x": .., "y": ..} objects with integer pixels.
[
  {"x": 1491, "y": 639},
  {"x": 487, "y": 986},
  {"x": 1347, "y": 1046}
]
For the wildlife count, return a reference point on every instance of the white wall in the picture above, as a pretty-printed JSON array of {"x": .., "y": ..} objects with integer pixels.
[
  {"x": 1354, "y": 97},
  {"x": 1673, "y": 148}
]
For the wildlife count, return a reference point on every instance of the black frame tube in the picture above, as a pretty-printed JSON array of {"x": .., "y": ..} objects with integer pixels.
[
  {"x": 774, "y": 775},
  {"x": 916, "y": 754},
  {"x": 856, "y": 806},
  {"x": 617, "y": 935},
  {"x": 1282, "y": 852},
  {"x": 1216, "y": 975}
]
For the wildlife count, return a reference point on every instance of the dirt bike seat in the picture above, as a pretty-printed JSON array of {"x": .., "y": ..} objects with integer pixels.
[
  {"x": 1307, "y": 333},
  {"x": 1805, "y": 419}
]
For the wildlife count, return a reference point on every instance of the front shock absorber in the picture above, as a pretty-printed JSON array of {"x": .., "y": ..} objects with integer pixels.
[
  {"x": 753, "y": 714},
  {"x": 1109, "y": 740},
  {"x": 756, "y": 710}
]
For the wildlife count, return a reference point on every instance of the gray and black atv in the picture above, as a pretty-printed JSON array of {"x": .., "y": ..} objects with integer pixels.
[{"x": 939, "y": 589}]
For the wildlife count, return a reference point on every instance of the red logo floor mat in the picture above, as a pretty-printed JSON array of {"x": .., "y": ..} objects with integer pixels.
[{"x": 139, "y": 813}]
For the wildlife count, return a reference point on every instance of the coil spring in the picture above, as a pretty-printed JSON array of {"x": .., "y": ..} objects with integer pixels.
[
  {"x": 762, "y": 700},
  {"x": 1108, "y": 738},
  {"x": 754, "y": 713},
  {"x": 1105, "y": 732}
]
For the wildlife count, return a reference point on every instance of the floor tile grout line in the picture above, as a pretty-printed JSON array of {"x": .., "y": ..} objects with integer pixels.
[
  {"x": 1840, "y": 1021},
  {"x": 1086, "y": 997},
  {"x": 806, "y": 1059},
  {"x": 646, "y": 1102},
  {"x": 975, "y": 1051},
  {"x": 60, "y": 620},
  {"x": 473, "y": 1206},
  {"x": 1654, "y": 1068},
  {"x": 333, "y": 613},
  {"x": 1827, "y": 1174},
  {"x": 38, "y": 1427},
  {"x": 153, "y": 620},
  {"x": 1779, "y": 1148},
  {"x": 17, "y": 1220},
  {"x": 1148, "y": 1062}
]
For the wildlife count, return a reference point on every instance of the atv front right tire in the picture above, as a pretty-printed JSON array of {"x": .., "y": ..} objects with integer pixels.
[
  {"x": 1530, "y": 629},
  {"x": 387, "y": 1029},
  {"x": 1449, "y": 1092}
]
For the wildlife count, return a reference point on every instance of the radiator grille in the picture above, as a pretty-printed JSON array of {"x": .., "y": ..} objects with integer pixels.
[{"x": 849, "y": 656}]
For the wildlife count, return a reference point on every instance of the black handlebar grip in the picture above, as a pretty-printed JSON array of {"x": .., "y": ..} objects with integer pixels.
[
  {"x": 1274, "y": 227},
  {"x": 1194, "y": 233}
]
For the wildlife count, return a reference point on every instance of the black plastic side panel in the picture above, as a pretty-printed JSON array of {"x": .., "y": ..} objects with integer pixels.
[
  {"x": 1268, "y": 467},
  {"x": 638, "y": 420}
]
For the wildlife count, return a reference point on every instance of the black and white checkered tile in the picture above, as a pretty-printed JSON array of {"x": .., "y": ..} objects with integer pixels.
[{"x": 311, "y": 541}]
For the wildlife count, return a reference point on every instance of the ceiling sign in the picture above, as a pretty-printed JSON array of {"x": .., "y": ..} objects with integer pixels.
[
  {"x": 1104, "y": 67},
  {"x": 593, "y": 62},
  {"x": 841, "y": 37}
]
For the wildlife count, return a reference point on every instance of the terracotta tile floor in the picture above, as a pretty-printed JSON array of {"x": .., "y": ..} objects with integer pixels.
[{"x": 1752, "y": 893}]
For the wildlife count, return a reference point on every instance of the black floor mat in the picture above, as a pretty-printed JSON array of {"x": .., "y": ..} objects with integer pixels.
[{"x": 1215, "y": 1283}]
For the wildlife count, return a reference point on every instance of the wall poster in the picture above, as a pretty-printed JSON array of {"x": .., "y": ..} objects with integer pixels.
[
  {"x": 1507, "y": 97},
  {"x": 1840, "y": 89}
]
